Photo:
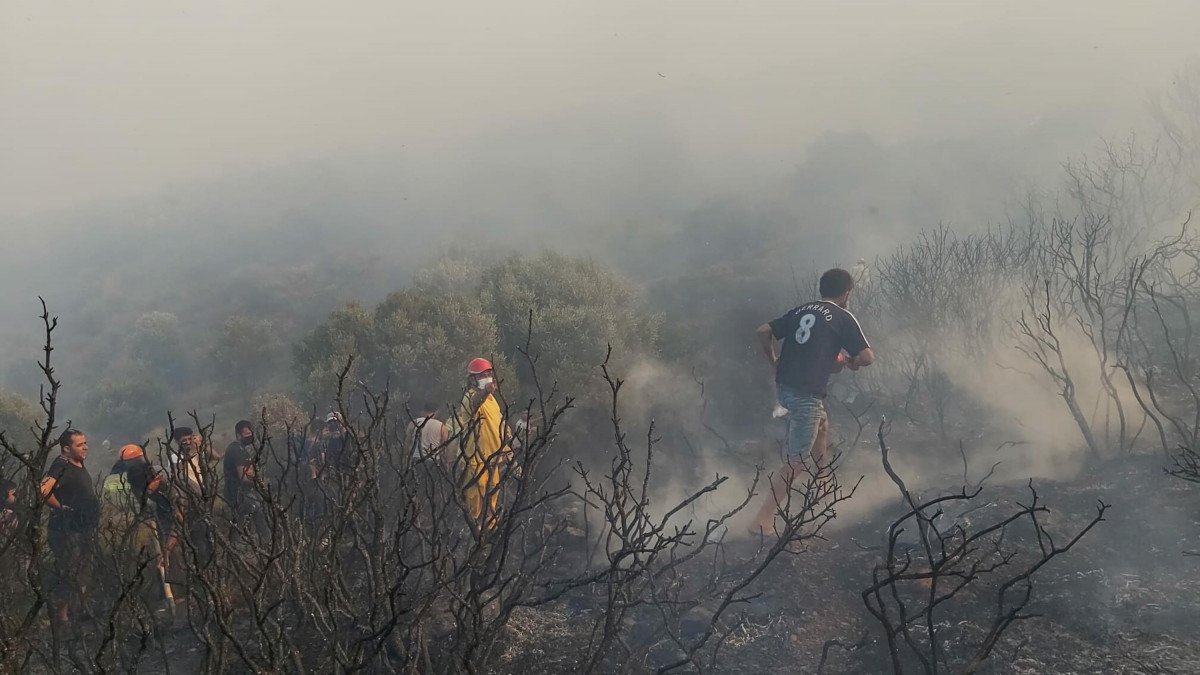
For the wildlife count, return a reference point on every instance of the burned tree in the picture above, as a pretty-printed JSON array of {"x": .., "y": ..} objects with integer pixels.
[
  {"x": 913, "y": 586},
  {"x": 25, "y": 544},
  {"x": 1158, "y": 346},
  {"x": 662, "y": 567},
  {"x": 943, "y": 298},
  {"x": 1040, "y": 326}
]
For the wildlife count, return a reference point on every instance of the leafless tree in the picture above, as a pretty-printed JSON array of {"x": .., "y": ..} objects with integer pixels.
[
  {"x": 1158, "y": 346},
  {"x": 1040, "y": 326},
  {"x": 944, "y": 295},
  {"x": 912, "y": 587},
  {"x": 651, "y": 555},
  {"x": 1116, "y": 205}
]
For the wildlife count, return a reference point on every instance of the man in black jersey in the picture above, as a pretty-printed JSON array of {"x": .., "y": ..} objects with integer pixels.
[
  {"x": 819, "y": 339},
  {"x": 74, "y": 515}
]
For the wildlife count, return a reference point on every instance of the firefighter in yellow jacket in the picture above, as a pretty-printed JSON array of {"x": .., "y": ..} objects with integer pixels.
[{"x": 485, "y": 443}]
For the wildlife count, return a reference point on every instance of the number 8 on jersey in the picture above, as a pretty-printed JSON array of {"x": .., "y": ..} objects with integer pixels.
[{"x": 804, "y": 330}]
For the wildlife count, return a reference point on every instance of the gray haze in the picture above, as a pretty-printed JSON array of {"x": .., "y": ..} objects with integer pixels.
[
  {"x": 104, "y": 100},
  {"x": 189, "y": 157}
]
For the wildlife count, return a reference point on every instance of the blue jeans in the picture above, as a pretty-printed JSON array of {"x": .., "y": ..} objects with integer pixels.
[{"x": 804, "y": 417}]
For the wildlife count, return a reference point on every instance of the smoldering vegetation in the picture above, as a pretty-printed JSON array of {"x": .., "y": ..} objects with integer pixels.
[{"x": 1011, "y": 489}]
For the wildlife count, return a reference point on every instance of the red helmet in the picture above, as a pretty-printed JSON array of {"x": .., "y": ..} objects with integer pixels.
[{"x": 478, "y": 366}]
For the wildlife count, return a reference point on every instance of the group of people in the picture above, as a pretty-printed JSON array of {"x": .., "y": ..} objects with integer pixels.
[
  {"x": 139, "y": 507},
  {"x": 147, "y": 508},
  {"x": 151, "y": 503}
]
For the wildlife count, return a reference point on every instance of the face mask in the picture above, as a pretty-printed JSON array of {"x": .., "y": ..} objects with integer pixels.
[{"x": 483, "y": 383}]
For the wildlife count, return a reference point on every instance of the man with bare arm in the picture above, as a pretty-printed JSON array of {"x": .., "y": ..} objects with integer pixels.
[
  {"x": 819, "y": 338},
  {"x": 74, "y": 516}
]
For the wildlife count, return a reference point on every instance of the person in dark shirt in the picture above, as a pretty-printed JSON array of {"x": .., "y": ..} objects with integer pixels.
[
  {"x": 136, "y": 517},
  {"x": 306, "y": 444},
  {"x": 819, "y": 339},
  {"x": 337, "y": 453},
  {"x": 239, "y": 469},
  {"x": 75, "y": 513},
  {"x": 149, "y": 484}
]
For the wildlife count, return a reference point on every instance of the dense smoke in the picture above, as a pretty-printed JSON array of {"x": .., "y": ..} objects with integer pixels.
[{"x": 280, "y": 212}]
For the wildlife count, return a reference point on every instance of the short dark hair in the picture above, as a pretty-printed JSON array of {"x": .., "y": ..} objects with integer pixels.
[
  {"x": 181, "y": 433},
  {"x": 835, "y": 282},
  {"x": 429, "y": 407},
  {"x": 67, "y": 437},
  {"x": 243, "y": 424}
]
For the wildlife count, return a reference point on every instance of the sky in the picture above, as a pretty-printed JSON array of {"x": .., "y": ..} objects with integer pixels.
[{"x": 116, "y": 99}]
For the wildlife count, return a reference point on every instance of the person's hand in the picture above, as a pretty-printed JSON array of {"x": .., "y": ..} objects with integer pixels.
[
  {"x": 478, "y": 396},
  {"x": 844, "y": 361}
]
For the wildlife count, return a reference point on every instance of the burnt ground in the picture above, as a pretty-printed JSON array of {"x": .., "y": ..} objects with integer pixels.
[{"x": 1126, "y": 599}]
